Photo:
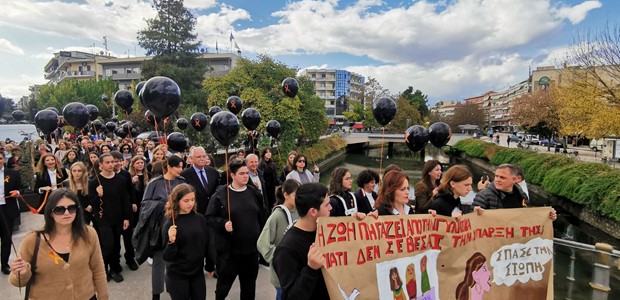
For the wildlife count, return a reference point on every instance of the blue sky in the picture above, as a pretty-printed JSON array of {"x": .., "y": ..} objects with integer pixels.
[{"x": 449, "y": 49}]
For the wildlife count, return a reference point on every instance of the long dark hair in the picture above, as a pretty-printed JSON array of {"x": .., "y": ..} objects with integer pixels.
[
  {"x": 266, "y": 163},
  {"x": 426, "y": 177},
  {"x": 78, "y": 228},
  {"x": 335, "y": 183},
  {"x": 288, "y": 186},
  {"x": 456, "y": 173},
  {"x": 474, "y": 263}
]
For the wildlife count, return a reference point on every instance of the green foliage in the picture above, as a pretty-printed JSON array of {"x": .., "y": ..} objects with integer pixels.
[
  {"x": 594, "y": 185},
  {"x": 418, "y": 99},
  {"x": 407, "y": 114},
  {"x": 323, "y": 148},
  {"x": 85, "y": 91},
  {"x": 257, "y": 83},
  {"x": 566, "y": 180},
  {"x": 355, "y": 112},
  {"x": 171, "y": 31}
]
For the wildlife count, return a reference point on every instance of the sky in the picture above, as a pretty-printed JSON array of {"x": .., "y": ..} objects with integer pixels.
[{"x": 448, "y": 49}]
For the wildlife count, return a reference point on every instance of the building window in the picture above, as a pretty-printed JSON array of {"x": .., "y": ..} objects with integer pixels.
[
  {"x": 313, "y": 76},
  {"x": 323, "y": 84},
  {"x": 88, "y": 68},
  {"x": 323, "y": 76}
]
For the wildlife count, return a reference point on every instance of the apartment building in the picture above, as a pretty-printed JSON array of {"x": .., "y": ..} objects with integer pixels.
[
  {"x": 336, "y": 87},
  {"x": 498, "y": 105},
  {"x": 445, "y": 108},
  {"x": 73, "y": 65}
]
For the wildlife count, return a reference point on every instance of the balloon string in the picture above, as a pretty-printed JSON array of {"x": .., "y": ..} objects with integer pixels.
[
  {"x": 252, "y": 146},
  {"x": 170, "y": 201},
  {"x": 227, "y": 176},
  {"x": 127, "y": 118},
  {"x": 381, "y": 159},
  {"x": 99, "y": 181},
  {"x": 303, "y": 130},
  {"x": 165, "y": 122}
]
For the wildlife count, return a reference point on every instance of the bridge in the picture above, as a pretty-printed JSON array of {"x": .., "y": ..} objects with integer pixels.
[{"x": 375, "y": 138}]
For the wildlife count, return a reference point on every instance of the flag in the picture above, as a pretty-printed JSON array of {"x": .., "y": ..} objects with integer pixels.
[
  {"x": 231, "y": 37},
  {"x": 237, "y": 46}
]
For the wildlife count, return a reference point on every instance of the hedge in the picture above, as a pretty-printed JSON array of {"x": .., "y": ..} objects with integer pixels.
[{"x": 594, "y": 185}]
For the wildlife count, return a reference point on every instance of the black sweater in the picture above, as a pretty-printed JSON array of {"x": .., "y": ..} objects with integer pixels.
[
  {"x": 186, "y": 256},
  {"x": 444, "y": 204},
  {"x": 338, "y": 210},
  {"x": 290, "y": 261},
  {"x": 115, "y": 201}
]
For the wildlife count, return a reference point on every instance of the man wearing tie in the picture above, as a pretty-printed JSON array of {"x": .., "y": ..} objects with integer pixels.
[
  {"x": 9, "y": 212},
  {"x": 203, "y": 178}
]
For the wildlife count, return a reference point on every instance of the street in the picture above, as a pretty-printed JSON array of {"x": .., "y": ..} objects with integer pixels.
[{"x": 137, "y": 284}]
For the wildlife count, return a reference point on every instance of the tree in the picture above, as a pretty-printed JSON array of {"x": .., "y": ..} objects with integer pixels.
[
  {"x": 537, "y": 112},
  {"x": 257, "y": 83},
  {"x": 407, "y": 114},
  {"x": 85, "y": 91},
  {"x": 467, "y": 114},
  {"x": 355, "y": 112},
  {"x": 419, "y": 99},
  {"x": 171, "y": 39}
]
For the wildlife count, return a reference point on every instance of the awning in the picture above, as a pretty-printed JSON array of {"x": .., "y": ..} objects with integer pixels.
[
  {"x": 358, "y": 126},
  {"x": 332, "y": 122}
]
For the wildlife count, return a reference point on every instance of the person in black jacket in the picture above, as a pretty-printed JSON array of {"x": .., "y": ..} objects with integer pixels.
[
  {"x": 341, "y": 199},
  {"x": 366, "y": 196},
  {"x": 49, "y": 175},
  {"x": 297, "y": 261},
  {"x": 203, "y": 178},
  {"x": 456, "y": 182},
  {"x": 237, "y": 228},
  {"x": 9, "y": 211},
  {"x": 185, "y": 250},
  {"x": 270, "y": 175},
  {"x": 128, "y": 188},
  {"x": 393, "y": 197}
]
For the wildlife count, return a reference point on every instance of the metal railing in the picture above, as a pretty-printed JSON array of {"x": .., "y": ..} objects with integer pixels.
[{"x": 605, "y": 256}]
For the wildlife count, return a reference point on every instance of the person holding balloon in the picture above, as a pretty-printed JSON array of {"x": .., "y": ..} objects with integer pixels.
[
  {"x": 49, "y": 174},
  {"x": 301, "y": 173}
]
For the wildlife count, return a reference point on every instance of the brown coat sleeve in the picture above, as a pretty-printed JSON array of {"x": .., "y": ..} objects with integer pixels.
[
  {"x": 423, "y": 197},
  {"x": 97, "y": 267}
]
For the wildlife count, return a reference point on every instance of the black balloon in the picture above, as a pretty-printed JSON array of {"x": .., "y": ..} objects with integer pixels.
[
  {"x": 97, "y": 125},
  {"x": 124, "y": 99},
  {"x": 250, "y": 118},
  {"x": 224, "y": 127},
  {"x": 176, "y": 141},
  {"x": 384, "y": 110},
  {"x": 76, "y": 114},
  {"x": 234, "y": 104},
  {"x": 139, "y": 87},
  {"x": 150, "y": 118},
  {"x": 161, "y": 95},
  {"x": 182, "y": 123},
  {"x": 290, "y": 87},
  {"x": 54, "y": 109},
  {"x": 127, "y": 126},
  {"x": 416, "y": 137},
  {"x": 104, "y": 98},
  {"x": 110, "y": 126},
  {"x": 18, "y": 115},
  {"x": 46, "y": 121},
  {"x": 129, "y": 111},
  {"x": 93, "y": 111},
  {"x": 120, "y": 132},
  {"x": 439, "y": 134},
  {"x": 199, "y": 121},
  {"x": 274, "y": 128},
  {"x": 114, "y": 119},
  {"x": 214, "y": 110}
]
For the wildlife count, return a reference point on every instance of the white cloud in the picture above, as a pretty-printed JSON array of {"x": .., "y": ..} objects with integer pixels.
[
  {"x": 418, "y": 32},
  {"x": 8, "y": 47},
  {"x": 199, "y": 4},
  {"x": 17, "y": 86},
  {"x": 577, "y": 13},
  {"x": 218, "y": 25}
]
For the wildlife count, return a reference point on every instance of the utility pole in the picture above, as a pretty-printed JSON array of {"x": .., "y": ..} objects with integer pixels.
[{"x": 105, "y": 44}]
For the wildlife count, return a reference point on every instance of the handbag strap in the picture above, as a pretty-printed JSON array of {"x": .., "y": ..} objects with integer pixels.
[{"x": 33, "y": 265}]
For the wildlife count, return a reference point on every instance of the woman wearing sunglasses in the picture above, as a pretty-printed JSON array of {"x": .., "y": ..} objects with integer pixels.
[
  {"x": 300, "y": 171},
  {"x": 69, "y": 264}
]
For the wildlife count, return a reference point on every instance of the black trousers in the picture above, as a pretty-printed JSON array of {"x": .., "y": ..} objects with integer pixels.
[
  {"x": 110, "y": 240},
  {"x": 130, "y": 254},
  {"x": 186, "y": 287},
  {"x": 6, "y": 232},
  {"x": 243, "y": 265}
]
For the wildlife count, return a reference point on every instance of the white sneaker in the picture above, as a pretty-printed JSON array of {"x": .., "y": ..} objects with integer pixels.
[{"x": 149, "y": 261}]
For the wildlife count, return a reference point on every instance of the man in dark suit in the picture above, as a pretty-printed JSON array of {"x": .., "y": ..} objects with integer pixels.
[
  {"x": 203, "y": 178},
  {"x": 256, "y": 177},
  {"x": 9, "y": 211}
]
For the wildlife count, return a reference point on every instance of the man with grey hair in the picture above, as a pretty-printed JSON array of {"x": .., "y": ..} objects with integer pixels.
[
  {"x": 503, "y": 192},
  {"x": 203, "y": 178},
  {"x": 256, "y": 177}
]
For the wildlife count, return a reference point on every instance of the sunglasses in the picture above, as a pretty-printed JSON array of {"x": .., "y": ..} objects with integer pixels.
[
  {"x": 60, "y": 210},
  {"x": 301, "y": 161}
]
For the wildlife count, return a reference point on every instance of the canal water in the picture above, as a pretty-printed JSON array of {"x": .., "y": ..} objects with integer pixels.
[{"x": 566, "y": 226}]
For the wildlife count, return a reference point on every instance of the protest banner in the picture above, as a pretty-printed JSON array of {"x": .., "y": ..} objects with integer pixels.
[{"x": 502, "y": 254}]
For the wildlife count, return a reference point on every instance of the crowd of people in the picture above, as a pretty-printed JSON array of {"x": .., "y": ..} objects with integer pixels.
[{"x": 186, "y": 217}]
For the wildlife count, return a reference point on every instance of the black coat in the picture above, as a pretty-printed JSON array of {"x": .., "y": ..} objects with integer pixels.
[
  {"x": 363, "y": 204},
  {"x": 42, "y": 180},
  {"x": 203, "y": 195},
  {"x": 12, "y": 182},
  {"x": 266, "y": 203}
]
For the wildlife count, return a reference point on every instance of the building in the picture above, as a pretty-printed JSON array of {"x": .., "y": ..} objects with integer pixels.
[
  {"x": 220, "y": 63},
  {"x": 478, "y": 100},
  {"x": 123, "y": 70},
  {"x": 498, "y": 105},
  {"x": 336, "y": 88},
  {"x": 445, "y": 108},
  {"x": 73, "y": 65}
]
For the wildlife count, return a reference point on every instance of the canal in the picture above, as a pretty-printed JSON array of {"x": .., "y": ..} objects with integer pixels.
[{"x": 565, "y": 227}]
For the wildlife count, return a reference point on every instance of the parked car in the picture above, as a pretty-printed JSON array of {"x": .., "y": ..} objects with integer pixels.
[
  {"x": 533, "y": 139},
  {"x": 551, "y": 142},
  {"x": 597, "y": 144},
  {"x": 516, "y": 138}
]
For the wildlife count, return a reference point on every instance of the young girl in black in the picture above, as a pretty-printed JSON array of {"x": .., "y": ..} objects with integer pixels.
[{"x": 185, "y": 249}]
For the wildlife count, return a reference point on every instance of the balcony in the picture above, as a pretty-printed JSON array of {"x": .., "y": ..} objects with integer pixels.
[
  {"x": 126, "y": 76},
  {"x": 76, "y": 74}
]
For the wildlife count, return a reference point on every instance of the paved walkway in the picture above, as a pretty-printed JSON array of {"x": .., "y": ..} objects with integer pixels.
[{"x": 137, "y": 284}]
